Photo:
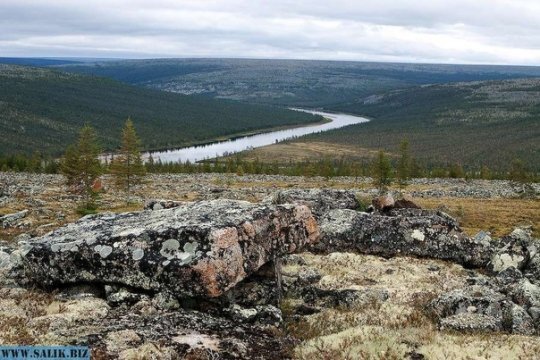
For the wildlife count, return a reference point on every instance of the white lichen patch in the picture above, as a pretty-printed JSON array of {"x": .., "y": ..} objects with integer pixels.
[
  {"x": 169, "y": 248},
  {"x": 137, "y": 254},
  {"x": 198, "y": 341},
  {"x": 418, "y": 235},
  {"x": 68, "y": 246},
  {"x": 105, "y": 251},
  {"x": 502, "y": 262}
]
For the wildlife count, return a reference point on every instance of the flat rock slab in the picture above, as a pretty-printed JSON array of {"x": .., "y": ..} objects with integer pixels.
[
  {"x": 201, "y": 249},
  {"x": 412, "y": 232}
]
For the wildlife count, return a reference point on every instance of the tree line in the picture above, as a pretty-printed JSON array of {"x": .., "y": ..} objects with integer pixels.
[{"x": 83, "y": 164}]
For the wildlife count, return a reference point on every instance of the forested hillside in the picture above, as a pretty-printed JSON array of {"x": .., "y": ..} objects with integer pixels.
[
  {"x": 475, "y": 123},
  {"x": 42, "y": 109}
]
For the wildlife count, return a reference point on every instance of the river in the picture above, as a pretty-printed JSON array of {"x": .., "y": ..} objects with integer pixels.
[{"x": 221, "y": 148}]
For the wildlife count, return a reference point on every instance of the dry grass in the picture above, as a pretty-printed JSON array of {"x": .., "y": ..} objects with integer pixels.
[
  {"x": 302, "y": 151},
  {"x": 499, "y": 216},
  {"x": 19, "y": 309}
]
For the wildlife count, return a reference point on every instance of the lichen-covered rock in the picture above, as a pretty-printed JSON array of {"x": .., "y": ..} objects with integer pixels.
[
  {"x": 318, "y": 200},
  {"x": 413, "y": 232},
  {"x": 518, "y": 321},
  {"x": 201, "y": 249},
  {"x": 484, "y": 308},
  {"x": 512, "y": 251},
  {"x": 11, "y": 220},
  {"x": 470, "y": 322},
  {"x": 526, "y": 294},
  {"x": 260, "y": 314},
  {"x": 473, "y": 299}
]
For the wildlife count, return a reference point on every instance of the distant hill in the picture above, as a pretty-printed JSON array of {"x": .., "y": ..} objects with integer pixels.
[
  {"x": 43, "y": 109},
  {"x": 474, "y": 123},
  {"x": 40, "y": 62},
  {"x": 290, "y": 82}
]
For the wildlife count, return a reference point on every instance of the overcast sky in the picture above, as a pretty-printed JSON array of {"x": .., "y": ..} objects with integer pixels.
[{"x": 441, "y": 31}]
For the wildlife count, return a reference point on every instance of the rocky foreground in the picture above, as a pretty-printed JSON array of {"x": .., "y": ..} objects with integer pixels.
[{"x": 298, "y": 274}]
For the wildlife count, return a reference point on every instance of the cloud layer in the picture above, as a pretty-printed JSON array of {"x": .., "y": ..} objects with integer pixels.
[{"x": 448, "y": 31}]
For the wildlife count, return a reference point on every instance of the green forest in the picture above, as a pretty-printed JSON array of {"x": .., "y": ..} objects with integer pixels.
[
  {"x": 42, "y": 110},
  {"x": 474, "y": 124}
]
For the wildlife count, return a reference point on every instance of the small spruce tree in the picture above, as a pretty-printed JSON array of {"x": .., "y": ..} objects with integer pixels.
[
  {"x": 381, "y": 170},
  {"x": 81, "y": 167},
  {"x": 127, "y": 167},
  {"x": 485, "y": 173},
  {"x": 518, "y": 173},
  {"x": 404, "y": 165}
]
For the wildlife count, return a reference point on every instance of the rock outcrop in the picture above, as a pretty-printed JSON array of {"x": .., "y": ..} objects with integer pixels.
[
  {"x": 319, "y": 201},
  {"x": 198, "y": 250},
  {"x": 412, "y": 232}
]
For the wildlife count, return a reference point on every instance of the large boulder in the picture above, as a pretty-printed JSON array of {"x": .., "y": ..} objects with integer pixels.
[
  {"x": 201, "y": 249},
  {"x": 412, "y": 232},
  {"x": 318, "y": 200}
]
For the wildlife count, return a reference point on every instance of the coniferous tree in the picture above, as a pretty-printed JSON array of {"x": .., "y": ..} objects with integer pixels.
[
  {"x": 485, "y": 173},
  {"x": 518, "y": 172},
  {"x": 82, "y": 167},
  {"x": 128, "y": 168},
  {"x": 456, "y": 171},
  {"x": 404, "y": 165},
  {"x": 381, "y": 171}
]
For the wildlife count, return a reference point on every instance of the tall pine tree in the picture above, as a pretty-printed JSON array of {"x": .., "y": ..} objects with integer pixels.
[{"x": 127, "y": 167}]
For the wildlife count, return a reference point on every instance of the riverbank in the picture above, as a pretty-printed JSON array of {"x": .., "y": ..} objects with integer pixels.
[{"x": 241, "y": 143}]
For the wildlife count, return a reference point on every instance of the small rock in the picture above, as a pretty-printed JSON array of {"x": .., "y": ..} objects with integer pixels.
[
  {"x": 519, "y": 321},
  {"x": 10, "y": 220},
  {"x": 405, "y": 204}
]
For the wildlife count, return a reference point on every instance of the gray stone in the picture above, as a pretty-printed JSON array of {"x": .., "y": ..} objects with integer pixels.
[
  {"x": 11, "y": 220},
  {"x": 261, "y": 314},
  {"x": 519, "y": 321},
  {"x": 159, "y": 204},
  {"x": 485, "y": 300},
  {"x": 470, "y": 322},
  {"x": 318, "y": 200},
  {"x": 5, "y": 261},
  {"x": 526, "y": 294}
]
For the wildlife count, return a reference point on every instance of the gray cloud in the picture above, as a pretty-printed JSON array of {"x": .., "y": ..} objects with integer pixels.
[{"x": 464, "y": 31}]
